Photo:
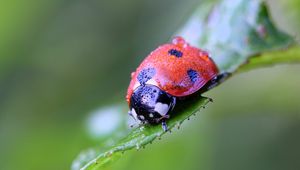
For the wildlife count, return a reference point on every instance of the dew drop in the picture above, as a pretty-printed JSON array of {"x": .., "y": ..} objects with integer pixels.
[
  {"x": 142, "y": 128},
  {"x": 137, "y": 146},
  {"x": 179, "y": 41}
]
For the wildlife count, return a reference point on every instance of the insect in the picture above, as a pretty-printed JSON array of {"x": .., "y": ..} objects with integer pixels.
[{"x": 169, "y": 73}]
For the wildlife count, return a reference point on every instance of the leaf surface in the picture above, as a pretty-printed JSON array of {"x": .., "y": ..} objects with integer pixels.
[{"x": 239, "y": 34}]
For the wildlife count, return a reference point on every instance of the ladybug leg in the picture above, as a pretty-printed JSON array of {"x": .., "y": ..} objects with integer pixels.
[
  {"x": 138, "y": 122},
  {"x": 163, "y": 118},
  {"x": 215, "y": 81},
  {"x": 130, "y": 114},
  {"x": 164, "y": 126}
]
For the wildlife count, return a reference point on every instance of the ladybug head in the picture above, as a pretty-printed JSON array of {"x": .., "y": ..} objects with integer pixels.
[{"x": 150, "y": 104}]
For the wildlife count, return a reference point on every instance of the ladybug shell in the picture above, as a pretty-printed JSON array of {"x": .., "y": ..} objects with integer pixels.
[{"x": 177, "y": 68}]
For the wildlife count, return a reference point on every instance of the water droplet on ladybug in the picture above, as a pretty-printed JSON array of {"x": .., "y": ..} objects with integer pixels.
[
  {"x": 204, "y": 53},
  {"x": 180, "y": 42},
  {"x": 132, "y": 74}
]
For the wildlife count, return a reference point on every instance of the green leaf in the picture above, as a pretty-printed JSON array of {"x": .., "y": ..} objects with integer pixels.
[
  {"x": 141, "y": 136},
  {"x": 233, "y": 31},
  {"x": 284, "y": 56}
]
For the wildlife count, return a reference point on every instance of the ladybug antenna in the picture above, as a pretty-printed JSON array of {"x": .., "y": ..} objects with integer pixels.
[{"x": 164, "y": 126}]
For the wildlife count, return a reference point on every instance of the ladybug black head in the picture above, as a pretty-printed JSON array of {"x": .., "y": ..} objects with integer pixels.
[{"x": 150, "y": 104}]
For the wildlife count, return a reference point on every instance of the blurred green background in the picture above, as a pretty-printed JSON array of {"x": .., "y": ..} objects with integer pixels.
[{"x": 60, "y": 60}]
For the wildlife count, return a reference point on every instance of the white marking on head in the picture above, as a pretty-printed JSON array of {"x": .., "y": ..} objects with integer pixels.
[
  {"x": 161, "y": 108},
  {"x": 142, "y": 117},
  {"x": 152, "y": 82},
  {"x": 133, "y": 113},
  {"x": 136, "y": 85},
  {"x": 151, "y": 115}
]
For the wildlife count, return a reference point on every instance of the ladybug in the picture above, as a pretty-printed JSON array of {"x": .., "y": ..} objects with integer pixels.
[{"x": 170, "y": 72}]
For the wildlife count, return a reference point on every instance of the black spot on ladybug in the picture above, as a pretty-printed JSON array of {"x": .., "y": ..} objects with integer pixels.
[
  {"x": 146, "y": 75},
  {"x": 193, "y": 75},
  {"x": 175, "y": 53}
]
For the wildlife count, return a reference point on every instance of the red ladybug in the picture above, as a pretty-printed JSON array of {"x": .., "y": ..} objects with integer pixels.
[{"x": 170, "y": 72}]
